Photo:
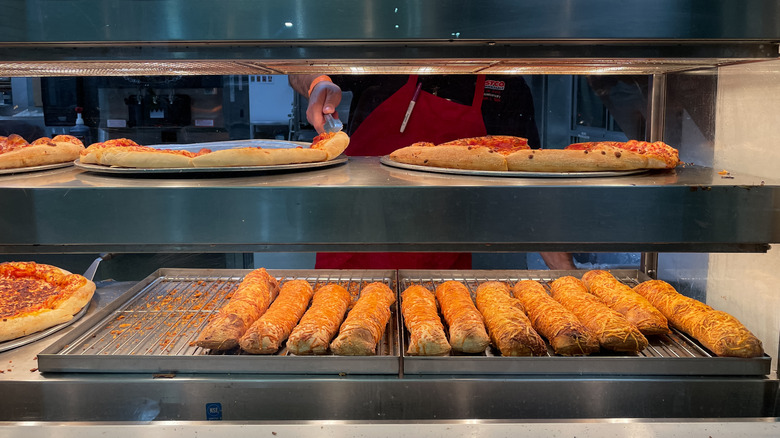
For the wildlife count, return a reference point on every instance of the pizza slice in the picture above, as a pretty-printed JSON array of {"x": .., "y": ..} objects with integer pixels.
[
  {"x": 333, "y": 143},
  {"x": 475, "y": 153},
  {"x": 603, "y": 157},
  {"x": 324, "y": 147},
  {"x": 16, "y": 152},
  {"x": 123, "y": 152},
  {"x": 659, "y": 154},
  {"x": 34, "y": 297},
  {"x": 506, "y": 153}
]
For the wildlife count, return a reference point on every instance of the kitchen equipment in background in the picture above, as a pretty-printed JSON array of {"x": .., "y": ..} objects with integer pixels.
[
  {"x": 271, "y": 106},
  {"x": 151, "y": 109},
  {"x": 80, "y": 130}
]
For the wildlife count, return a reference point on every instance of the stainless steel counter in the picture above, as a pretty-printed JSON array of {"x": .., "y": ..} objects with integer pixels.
[
  {"x": 29, "y": 395},
  {"x": 758, "y": 428},
  {"x": 363, "y": 205}
]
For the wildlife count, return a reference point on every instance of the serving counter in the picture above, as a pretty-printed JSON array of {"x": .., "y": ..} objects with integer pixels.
[
  {"x": 364, "y": 205},
  {"x": 30, "y": 395},
  {"x": 712, "y": 74}
]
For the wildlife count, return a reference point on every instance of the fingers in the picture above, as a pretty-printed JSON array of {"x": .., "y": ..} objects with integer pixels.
[
  {"x": 558, "y": 260},
  {"x": 324, "y": 99}
]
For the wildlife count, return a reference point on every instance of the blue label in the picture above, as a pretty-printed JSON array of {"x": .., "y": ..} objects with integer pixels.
[{"x": 213, "y": 411}]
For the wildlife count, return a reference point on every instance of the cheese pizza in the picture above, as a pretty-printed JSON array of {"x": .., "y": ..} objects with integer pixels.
[
  {"x": 127, "y": 153},
  {"x": 34, "y": 297},
  {"x": 505, "y": 153},
  {"x": 476, "y": 153},
  {"x": 16, "y": 152}
]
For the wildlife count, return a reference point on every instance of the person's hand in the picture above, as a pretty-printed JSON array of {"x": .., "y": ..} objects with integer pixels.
[
  {"x": 324, "y": 99},
  {"x": 558, "y": 260}
]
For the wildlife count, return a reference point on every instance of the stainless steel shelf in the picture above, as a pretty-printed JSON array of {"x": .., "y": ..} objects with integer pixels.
[
  {"x": 30, "y": 395},
  {"x": 539, "y": 36},
  {"x": 366, "y": 206}
]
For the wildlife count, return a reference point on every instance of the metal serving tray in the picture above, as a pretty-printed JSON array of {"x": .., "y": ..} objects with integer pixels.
[
  {"x": 387, "y": 161},
  {"x": 671, "y": 355},
  {"x": 149, "y": 329},
  {"x": 200, "y": 171}
]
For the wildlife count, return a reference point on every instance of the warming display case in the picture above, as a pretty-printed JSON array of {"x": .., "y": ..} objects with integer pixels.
[{"x": 709, "y": 226}]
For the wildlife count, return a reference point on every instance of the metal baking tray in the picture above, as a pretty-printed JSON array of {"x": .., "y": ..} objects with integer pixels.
[
  {"x": 37, "y": 336},
  {"x": 225, "y": 171},
  {"x": 386, "y": 160},
  {"x": 671, "y": 355},
  {"x": 16, "y": 170},
  {"x": 149, "y": 329}
]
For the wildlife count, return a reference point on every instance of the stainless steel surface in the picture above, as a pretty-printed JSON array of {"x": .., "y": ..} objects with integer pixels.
[
  {"x": 386, "y": 160},
  {"x": 34, "y": 168},
  {"x": 656, "y": 104},
  {"x": 89, "y": 274},
  {"x": 649, "y": 264},
  {"x": 30, "y": 395},
  {"x": 674, "y": 355},
  {"x": 48, "y": 21},
  {"x": 526, "y": 59},
  {"x": 150, "y": 329},
  {"x": 233, "y": 144},
  {"x": 332, "y": 125},
  {"x": 608, "y": 428},
  {"x": 364, "y": 206},
  {"x": 207, "y": 171},
  {"x": 255, "y": 38}
]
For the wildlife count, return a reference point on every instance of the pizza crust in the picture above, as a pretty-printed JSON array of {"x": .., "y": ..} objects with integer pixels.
[
  {"x": 259, "y": 157},
  {"x": 125, "y": 153},
  {"x": 40, "y": 154},
  {"x": 333, "y": 146},
  {"x": 12, "y": 327},
  {"x": 453, "y": 157},
  {"x": 603, "y": 158},
  {"x": 122, "y": 157},
  {"x": 564, "y": 160}
]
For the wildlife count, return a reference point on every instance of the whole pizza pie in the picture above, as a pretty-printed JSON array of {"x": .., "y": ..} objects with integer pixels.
[
  {"x": 16, "y": 152},
  {"x": 127, "y": 153},
  {"x": 34, "y": 297},
  {"x": 505, "y": 153}
]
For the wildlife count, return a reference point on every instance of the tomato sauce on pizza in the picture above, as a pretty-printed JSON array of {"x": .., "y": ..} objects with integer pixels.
[
  {"x": 27, "y": 287},
  {"x": 658, "y": 150},
  {"x": 503, "y": 144}
]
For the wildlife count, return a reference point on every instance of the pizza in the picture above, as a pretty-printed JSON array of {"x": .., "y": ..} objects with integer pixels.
[
  {"x": 476, "y": 153},
  {"x": 16, "y": 152},
  {"x": 127, "y": 153},
  {"x": 505, "y": 153},
  {"x": 123, "y": 152},
  {"x": 34, "y": 297},
  {"x": 659, "y": 154}
]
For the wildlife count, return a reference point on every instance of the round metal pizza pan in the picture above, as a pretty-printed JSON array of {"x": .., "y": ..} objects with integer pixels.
[
  {"x": 97, "y": 168},
  {"x": 24, "y": 340},
  {"x": 515, "y": 174},
  {"x": 232, "y": 144},
  {"x": 35, "y": 168}
]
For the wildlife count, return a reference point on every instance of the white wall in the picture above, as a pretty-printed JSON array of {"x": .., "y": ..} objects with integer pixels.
[{"x": 746, "y": 141}]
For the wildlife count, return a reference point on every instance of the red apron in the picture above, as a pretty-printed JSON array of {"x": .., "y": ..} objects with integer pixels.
[{"x": 434, "y": 120}]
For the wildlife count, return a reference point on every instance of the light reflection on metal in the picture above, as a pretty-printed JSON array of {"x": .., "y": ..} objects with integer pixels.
[{"x": 354, "y": 66}]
